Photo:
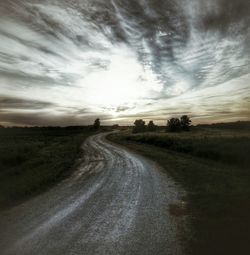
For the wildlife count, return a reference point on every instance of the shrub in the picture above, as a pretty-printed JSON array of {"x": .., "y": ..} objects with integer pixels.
[
  {"x": 139, "y": 126},
  {"x": 185, "y": 123},
  {"x": 174, "y": 125},
  {"x": 151, "y": 126}
]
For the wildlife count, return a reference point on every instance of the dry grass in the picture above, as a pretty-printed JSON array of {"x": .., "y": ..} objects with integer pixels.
[
  {"x": 178, "y": 209},
  {"x": 227, "y": 146},
  {"x": 213, "y": 167},
  {"x": 33, "y": 159}
]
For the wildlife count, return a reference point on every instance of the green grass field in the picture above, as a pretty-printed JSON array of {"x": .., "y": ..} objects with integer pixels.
[
  {"x": 212, "y": 165},
  {"x": 33, "y": 159}
]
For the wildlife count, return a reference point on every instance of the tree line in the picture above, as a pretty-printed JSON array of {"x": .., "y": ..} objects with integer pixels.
[{"x": 173, "y": 125}]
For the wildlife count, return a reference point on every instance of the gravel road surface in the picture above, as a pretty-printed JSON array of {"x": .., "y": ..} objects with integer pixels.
[{"x": 116, "y": 202}]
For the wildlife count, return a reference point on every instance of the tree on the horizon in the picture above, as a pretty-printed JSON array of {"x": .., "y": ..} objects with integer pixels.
[
  {"x": 174, "y": 125},
  {"x": 139, "y": 126},
  {"x": 151, "y": 126},
  {"x": 185, "y": 123},
  {"x": 97, "y": 124},
  {"x": 115, "y": 126}
]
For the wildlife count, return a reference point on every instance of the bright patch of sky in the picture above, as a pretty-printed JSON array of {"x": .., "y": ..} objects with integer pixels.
[{"x": 68, "y": 62}]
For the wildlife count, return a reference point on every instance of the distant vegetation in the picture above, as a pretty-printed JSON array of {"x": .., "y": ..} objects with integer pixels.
[
  {"x": 31, "y": 159},
  {"x": 212, "y": 163},
  {"x": 151, "y": 126},
  {"x": 139, "y": 126},
  {"x": 115, "y": 126},
  {"x": 177, "y": 125},
  {"x": 238, "y": 125},
  {"x": 97, "y": 124},
  {"x": 173, "y": 125}
]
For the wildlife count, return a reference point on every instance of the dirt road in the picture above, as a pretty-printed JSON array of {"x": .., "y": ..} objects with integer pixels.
[{"x": 115, "y": 203}]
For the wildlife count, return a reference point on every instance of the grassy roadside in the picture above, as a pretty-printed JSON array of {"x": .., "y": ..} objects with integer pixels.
[
  {"x": 33, "y": 159},
  {"x": 218, "y": 189}
]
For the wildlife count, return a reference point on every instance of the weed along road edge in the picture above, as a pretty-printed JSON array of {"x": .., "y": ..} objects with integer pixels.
[{"x": 116, "y": 202}]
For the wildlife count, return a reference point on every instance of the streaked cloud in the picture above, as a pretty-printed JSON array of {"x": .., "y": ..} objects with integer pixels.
[{"x": 71, "y": 61}]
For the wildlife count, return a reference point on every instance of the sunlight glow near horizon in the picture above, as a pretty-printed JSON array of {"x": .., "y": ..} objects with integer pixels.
[{"x": 123, "y": 83}]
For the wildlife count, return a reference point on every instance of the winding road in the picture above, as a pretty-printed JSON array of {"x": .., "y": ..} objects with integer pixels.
[{"x": 115, "y": 203}]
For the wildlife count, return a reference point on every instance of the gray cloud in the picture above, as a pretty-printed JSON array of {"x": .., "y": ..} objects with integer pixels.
[
  {"x": 7, "y": 102},
  {"x": 45, "y": 118},
  {"x": 187, "y": 45}
]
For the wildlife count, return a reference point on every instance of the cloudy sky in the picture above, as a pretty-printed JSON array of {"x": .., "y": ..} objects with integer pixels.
[{"x": 66, "y": 62}]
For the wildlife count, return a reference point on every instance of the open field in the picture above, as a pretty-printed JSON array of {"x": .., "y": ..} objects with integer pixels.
[
  {"x": 32, "y": 159},
  {"x": 212, "y": 164},
  {"x": 226, "y": 146}
]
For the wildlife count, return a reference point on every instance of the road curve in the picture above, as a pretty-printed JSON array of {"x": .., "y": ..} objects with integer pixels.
[{"x": 115, "y": 203}]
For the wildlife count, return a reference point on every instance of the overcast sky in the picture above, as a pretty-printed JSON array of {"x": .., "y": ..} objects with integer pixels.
[{"x": 66, "y": 62}]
